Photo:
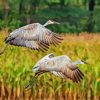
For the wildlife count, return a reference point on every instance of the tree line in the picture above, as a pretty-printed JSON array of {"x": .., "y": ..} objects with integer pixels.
[{"x": 19, "y": 12}]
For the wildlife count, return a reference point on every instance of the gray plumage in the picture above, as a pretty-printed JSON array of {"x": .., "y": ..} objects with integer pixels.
[
  {"x": 34, "y": 36},
  {"x": 61, "y": 66}
]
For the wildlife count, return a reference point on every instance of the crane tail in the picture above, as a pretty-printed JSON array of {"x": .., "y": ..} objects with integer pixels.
[{"x": 3, "y": 49}]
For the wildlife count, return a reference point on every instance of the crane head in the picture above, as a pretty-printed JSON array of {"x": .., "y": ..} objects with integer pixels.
[
  {"x": 83, "y": 62},
  {"x": 80, "y": 62},
  {"x": 50, "y": 22}
]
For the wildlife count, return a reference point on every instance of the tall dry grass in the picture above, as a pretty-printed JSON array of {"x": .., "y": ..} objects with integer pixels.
[{"x": 16, "y": 70}]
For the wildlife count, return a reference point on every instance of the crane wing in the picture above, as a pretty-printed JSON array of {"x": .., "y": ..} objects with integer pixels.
[
  {"x": 64, "y": 67},
  {"x": 29, "y": 44},
  {"x": 35, "y": 32},
  {"x": 41, "y": 33},
  {"x": 74, "y": 74},
  {"x": 49, "y": 37},
  {"x": 58, "y": 74}
]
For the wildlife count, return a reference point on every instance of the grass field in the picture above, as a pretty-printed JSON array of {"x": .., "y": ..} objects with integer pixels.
[{"x": 16, "y": 70}]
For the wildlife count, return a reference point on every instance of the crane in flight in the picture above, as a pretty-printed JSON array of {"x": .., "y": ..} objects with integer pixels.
[
  {"x": 35, "y": 36},
  {"x": 61, "y": 66}
]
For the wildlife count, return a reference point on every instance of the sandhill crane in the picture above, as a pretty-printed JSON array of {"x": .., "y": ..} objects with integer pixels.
[
  {"x": 34, "y": 36},
  {"x": 61, "y": 66}
]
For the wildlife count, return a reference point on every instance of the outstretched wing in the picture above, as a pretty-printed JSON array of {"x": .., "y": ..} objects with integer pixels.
[
  {"x": 35, "y": 32},
  {"x": 49, "y": 37},
  {"x": 75, "y": 75},
  {"x": 41, "y": 33},
  {"x": 29, "y": 44},
  {"x": 64, "y": 68},
  {"x": 72, "y": 73},
  {"x": 58, "y": 74}
]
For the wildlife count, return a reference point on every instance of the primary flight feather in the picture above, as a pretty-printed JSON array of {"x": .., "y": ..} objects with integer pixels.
[
  {"x": 60, "y": 66},
  {"x": 35, "y": 36}
]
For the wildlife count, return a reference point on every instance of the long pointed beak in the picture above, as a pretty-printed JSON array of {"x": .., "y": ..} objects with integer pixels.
[
  {"x": 86, "y": 63},
  {"x": 57, "y": 23}
]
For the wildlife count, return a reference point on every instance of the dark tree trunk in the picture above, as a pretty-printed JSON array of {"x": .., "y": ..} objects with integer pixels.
[
  {"x": 90, "y": 22},
  {"x": 91, "y": 6},
  {"x": 21, "y": 11},
  {"x": 62, "y": 3},
  {"x": 21, "y": 6}
]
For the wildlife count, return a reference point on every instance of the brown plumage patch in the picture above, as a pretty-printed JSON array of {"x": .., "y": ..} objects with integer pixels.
[{"x": 75, "y": 75}]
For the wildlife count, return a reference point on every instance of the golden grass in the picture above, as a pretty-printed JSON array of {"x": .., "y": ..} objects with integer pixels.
[{"x": 16, "y": 70}]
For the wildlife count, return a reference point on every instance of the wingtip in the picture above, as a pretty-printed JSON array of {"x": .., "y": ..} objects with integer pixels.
[{"x": 78, "y": 75}]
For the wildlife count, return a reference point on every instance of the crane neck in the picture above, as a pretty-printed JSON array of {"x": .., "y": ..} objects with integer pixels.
[
  {"x": 78, "y": 62},
  {"x": 46, "y": 24}
]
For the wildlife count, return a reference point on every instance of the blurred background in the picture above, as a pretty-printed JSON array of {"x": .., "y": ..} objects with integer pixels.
[
  {"x": 74, "y": 15},
  {"x": 80, "y": 27}
]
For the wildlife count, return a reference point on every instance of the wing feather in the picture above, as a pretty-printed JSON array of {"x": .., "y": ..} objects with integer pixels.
[
  {"x": 51, "y": 37},
  {"x": 29, "y": 44},
  {"x": 76, "y": 75},
  {"x": 58, "y": 74},
  {"x": 64, "y": 67},
  {"x": 33, "y": 32},
  {"x": 36, "y": 31}
]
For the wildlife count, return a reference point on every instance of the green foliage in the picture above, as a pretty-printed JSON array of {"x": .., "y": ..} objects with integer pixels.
[
  {"x": 16, "y": 68},
  {"x": 72, "y": 14}
]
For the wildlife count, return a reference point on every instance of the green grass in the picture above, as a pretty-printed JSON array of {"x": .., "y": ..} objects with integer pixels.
[{"x": 16, "y": 70}]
